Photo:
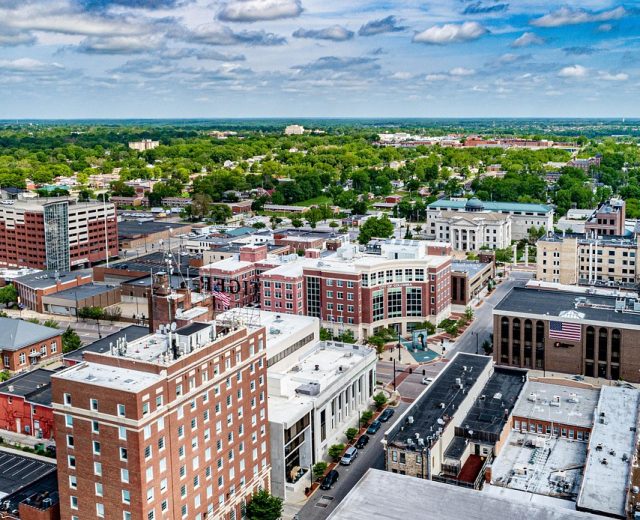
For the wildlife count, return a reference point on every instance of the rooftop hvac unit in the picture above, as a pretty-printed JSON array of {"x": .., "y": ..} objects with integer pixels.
[
  {"x": 573, "y": 397},
  {"x": 532, "y": 397},
  {"x": 410, "y": 419},
  {"x": 555, "y": 401}
]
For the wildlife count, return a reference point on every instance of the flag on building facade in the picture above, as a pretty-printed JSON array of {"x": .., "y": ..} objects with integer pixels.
[{"x": 565, "y": 330}]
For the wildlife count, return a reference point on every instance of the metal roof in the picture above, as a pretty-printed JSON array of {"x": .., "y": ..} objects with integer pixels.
[
  {"x": 16, "y": 334},
  {"x": 492, "y": 206}
]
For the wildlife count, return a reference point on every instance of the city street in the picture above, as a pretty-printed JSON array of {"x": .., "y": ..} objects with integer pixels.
[{"x": 322, "y": 503}]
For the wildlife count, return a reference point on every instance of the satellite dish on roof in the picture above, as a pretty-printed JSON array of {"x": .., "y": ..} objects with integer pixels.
[{"x": 173, "y": 326}]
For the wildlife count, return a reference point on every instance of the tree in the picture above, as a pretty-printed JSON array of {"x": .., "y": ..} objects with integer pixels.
[
  {"x": 8, "y": 294},
  {"x": 487, "y": 347},
  {"x": 120, "y": 189},
  {"x": 351, "y": 433},
  {"x": 4, "y": 375},
  {"x": 297, "y": 222},
  {"x": 51, "y": 323},
  {"x": 380, "y": 400},
  {"x": 335, "y": 451},
  {"x": 264, "y": 506},
  {"x": 375, "y": 228},
  {"x": 259, "y": 225},
  {"x": 220, "y": 213},
  {"x": 325, "y": 335},
  {"x": 347, "y": 337},
  {"x": 365, "y": 417},
  {"x": 318, "y": 469},
  {"x": 468, "y": 313},
  {"x": 70, "y": 340},
  {"x": 200, "y": 205}
]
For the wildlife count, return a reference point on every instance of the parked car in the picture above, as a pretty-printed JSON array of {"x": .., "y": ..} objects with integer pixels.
[
  {"x": 362, "y": 441},
  {"x": 349, "y": 456},
  {"x": 386, "y": 415},
  {"x": 374, "y": 427},
  {"x": 427, "y": 380},
  {"x": 329, "y": 479}
]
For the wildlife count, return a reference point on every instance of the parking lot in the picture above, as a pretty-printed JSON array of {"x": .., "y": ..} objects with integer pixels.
[{"x": 17, "y": 471}]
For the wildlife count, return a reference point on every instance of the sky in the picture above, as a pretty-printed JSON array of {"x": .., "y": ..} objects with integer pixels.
[{"x": 318, "y": 58}]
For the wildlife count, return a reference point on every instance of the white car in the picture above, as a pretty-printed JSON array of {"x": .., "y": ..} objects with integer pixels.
[{"x": 427, "y": 380}]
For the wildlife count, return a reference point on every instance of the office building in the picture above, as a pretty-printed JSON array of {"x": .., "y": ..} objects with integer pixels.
[
  {"x": 144, "y": 144},
  {"x": 585, "y": 260},
  {"x": 523, "y": 216},
  {"x": 56, "y": 233},
  {"x": 294, "y": 130},
  {"x": 171, "y": 425},
  {"x": 560, "y": 331},
  {"x": 469, "y": 231}
]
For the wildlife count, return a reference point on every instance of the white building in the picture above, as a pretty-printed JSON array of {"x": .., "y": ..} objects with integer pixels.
[
  {"x": 294, "y": 130},
  {"x": 471, "y": 231},
  {"x": 523, "y": 216},
  {"x": 144, "y": 144},
  {"x": 316, "y": 391}
]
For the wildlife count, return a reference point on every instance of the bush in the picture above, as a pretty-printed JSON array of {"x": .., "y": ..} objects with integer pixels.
[
  {"x": 468, "y": 313},
  {"x": 335, "y": 451},
  {"x": 351, "y": 434},
  {"x": 365, "y": 417},
  {"x": 318, "y": 469},
  {"x": 380, "y": 400}
]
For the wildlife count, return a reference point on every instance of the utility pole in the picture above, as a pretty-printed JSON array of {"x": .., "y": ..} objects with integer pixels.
[{"x": 394, "y": 375}]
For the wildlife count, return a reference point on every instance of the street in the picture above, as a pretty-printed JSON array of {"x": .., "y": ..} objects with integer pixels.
[
  {"x": 409, "y": 385},
  {"x": 322, "y": 503}
]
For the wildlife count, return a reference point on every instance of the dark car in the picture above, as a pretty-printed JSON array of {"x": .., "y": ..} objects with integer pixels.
[
  {"x": 374, "y": 427},
  {"x": 329, "y": 479},
  {"x": 386, "y": 415},
  {"x": 362, "y": 442}
]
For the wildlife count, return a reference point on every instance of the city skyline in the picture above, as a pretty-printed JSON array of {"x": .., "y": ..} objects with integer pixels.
[{"x": 304, "y": 58}]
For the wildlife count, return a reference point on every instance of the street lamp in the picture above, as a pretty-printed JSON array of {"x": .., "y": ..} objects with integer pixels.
[{"x": 477, "y": 335}]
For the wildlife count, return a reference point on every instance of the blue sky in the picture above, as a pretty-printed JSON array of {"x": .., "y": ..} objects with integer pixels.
[{"x": 329, "y": 58}]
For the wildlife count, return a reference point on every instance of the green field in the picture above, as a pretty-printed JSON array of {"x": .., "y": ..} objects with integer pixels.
[{"x": 316, "y": 201}]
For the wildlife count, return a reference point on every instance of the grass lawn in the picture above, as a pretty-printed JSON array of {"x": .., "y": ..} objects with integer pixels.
[{"x": 319, "y": 201}]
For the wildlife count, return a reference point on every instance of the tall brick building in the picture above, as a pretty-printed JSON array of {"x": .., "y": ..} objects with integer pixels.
[
  {"x": 172, "y": 425},
  {"x": 56, "y": 233}
]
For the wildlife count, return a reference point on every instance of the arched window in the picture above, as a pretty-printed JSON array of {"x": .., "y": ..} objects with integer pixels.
[
  {"x": 602, "y": 344},
  {"x": 590, "y": 343},
  {"x": 615, "y": 345}
]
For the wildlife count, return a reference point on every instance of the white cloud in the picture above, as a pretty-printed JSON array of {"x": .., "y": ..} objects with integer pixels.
[
  {"x": 568, "y": 16},
  {"x": 609, "y": 76},
  {"x": 121, "y": 44},
  {"x": 335, "y": 33},
  {"x": 436, "y": 77},
  {"x": 527, "y": 39},
  {"x": 255, "y": 10},
  {"x": 605, "y": 27},
  {"x": 450, "y": 33},
  {"x": 573, "y": 71},
  {"x": 402, "y": 75},
  {"x": 461, "y": 71},
  {"x": 28, "y": 65}
]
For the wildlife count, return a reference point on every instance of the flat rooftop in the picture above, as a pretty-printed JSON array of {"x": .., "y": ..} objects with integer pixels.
[
  {"x": 556, "y": 403},
  {"x": 471, "y": 268},
  {"x": 157, "y": 261},
  {"x": 427, "y": 411},
  {"x": 500, "y": 393},
  {"x": 45, "y": 279},
  {"x": 540, "y": 465},
  {"x": 33, "y": 386},
  {"x": 416, "y": 498},
  {"x": 81, "y": 292},
  {"x": 493, "y": 206},
  {"x": 128, "y": 229},
  {"x": 107, "y": 376},
  {"x": 611, "y": 449},
  {"x": 17, "y": 471},
  {"x": 131, "y": 333},
  {"x": 564, "y": 304}
]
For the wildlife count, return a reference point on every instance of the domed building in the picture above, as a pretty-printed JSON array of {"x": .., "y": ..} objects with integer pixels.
[{"x": 474, "y": 204}]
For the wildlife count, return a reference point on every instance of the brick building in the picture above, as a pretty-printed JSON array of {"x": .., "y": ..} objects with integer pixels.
[
  {"x": 24, "y": 344},
  {"x": 468, "y": 279},
  {"x": 607, "y": 219},
  {"x": 32, "y": 288},
  {"x": 56, "y": 233},
  {"x": 172, "y": 425},
  {"x": 560, "y": 331}
]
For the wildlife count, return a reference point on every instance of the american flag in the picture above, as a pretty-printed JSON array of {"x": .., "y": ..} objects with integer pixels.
[
  {"x": 564, "y": 330},
  {"x": 221, "y": 297}
]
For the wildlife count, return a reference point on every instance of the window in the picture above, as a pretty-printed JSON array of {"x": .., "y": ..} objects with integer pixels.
[
  {"x": 73, "y": 482},
  {"x": 68, "y": 420},
  {"x": 95, "y": 426},
  {"x": 122, "y": 433},
  {"x": 96, "y": 448},
  {"x": 100, "y": 510},
  {"x": 123, "y": 453},
  {"x": 98, "y": 489},
  {"x": 97, "y": 469},
  {"x": 67, "y": 399},
  {"x": 126, "y": 496},
  {"x": 74, "y": 502},
  {"x": 93, "y": 403},
  {"x": 124, "y": 475},
  {"x": 72, "y": 461},
  {"x": 121, "y": 410}
]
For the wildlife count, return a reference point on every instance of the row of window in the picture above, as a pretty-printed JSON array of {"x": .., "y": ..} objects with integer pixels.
[{"x": 563, "y": 432}]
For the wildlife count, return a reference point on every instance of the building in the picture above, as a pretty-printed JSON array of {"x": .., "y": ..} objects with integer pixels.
[
  {"x": 33, "y": 287},
  {"x": 24, "y": 344},
  {"x": 607, "y": 219},
  {"x": 134, "y": 234},
  {"x": 469, "y": 231},
  {"x": 408, "y": 497},
  {"x": 468, "y": 279},
  {"x": 25, "y": 404},
  {"x": 457, "y": 425},
  {"x": 398, "y": 288},
  {"x": 584, "y": 260},
  {"x": 144, "y": 144},
  {"x": 294, "y": 130},
  {"x": 574, "y": 221},
  {"x": 129, "y": 333},
  {"x": 57, "y": 233},
  {"x": 523, "y": 216},
  {"x": 571, "y": 444},
  {"x": 585, "y": 164},
  {"x": 69, "y": 301},
  {"x": 28, "y": 488},
  {"x": 174, "y": 423},
  {"x": 283, "y": 208},
  {"x": 560, "y": 331}
]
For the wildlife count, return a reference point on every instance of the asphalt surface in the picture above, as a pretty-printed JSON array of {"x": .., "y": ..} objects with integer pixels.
[{"x": 322, "y": 503}]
